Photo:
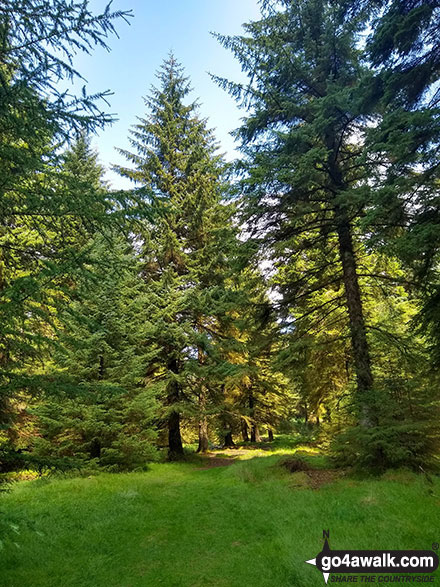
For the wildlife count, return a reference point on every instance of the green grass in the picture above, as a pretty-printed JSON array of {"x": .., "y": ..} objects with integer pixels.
[{"x": 179, "y": 526}]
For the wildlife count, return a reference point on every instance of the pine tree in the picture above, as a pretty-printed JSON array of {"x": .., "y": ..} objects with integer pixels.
[
  {"x": 50, "y": 217},
  {"x": 38, "y": 219},
  {"x": 186, "y": 249},
  {"x": 103, "y": 410},
  {"x": 313, "y": 175},
  {"x": 400, "y": 45},
  {"x": 256, "y": 392},
  {"x": 405, "y": 215},
  {"x": 37, "y": 42},
  {"x": 303, "y": 177}
]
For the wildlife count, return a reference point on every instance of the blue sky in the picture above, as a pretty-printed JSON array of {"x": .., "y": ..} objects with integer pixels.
[{"x": 157, "y": 27}]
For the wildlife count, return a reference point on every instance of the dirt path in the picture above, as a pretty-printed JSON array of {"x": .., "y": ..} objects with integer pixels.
[
  {"x": 313, "y": 478},
  {"x": 228, "y": 457}
]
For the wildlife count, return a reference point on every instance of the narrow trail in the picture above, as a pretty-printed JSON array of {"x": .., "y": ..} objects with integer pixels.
[
  {"x": 223, "y": 458},
  {"x": 314, "y": 478}
]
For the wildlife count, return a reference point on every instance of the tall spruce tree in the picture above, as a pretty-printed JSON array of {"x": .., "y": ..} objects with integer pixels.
[
  {"x": 300, "y": 141},
  {"x": 318, "y": 143},
  {"x": 255, "y": 390},
  {"x": 406, "y": 211},
  {"x": 38, "y": 216},
  {"x": 187, "y": 248}
]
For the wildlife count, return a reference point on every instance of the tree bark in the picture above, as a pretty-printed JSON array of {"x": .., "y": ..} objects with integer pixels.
[
  {"x": 255, "y": 433},
  {"x": 244, "y": 431},
  {"x": 5, "y": 414},
  {"x": 359, "y": 343},
  {"x": 203, "y": 435},
  {"x": 229, "y": 441},
  {"x": 95, "y": 449},
  {"x": 203, "y": 420},
  {"x": 270, "y": 434},
  {"x": 175, "y": 446}
]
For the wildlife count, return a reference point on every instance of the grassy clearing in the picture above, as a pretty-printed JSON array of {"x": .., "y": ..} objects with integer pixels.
[{"x": 178, "y": 525}]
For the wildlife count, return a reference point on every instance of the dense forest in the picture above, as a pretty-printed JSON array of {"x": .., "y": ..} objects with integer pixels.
[{"x": 296, "y": 289}]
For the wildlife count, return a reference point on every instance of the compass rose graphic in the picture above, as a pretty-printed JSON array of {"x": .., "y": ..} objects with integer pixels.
[{"x": 325, "y": 551}]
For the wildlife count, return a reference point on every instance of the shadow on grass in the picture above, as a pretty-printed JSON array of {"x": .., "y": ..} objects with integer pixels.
[{"x": 254, "y": 462}]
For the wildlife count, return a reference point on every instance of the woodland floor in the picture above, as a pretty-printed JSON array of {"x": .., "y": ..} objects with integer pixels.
[{"x": 231, "y": 518}]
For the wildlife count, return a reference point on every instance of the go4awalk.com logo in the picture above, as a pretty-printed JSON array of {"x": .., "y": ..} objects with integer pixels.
[{"x": 381, "y": 566}]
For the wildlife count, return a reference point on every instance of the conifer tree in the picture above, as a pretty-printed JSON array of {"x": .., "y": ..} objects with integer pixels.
[
  {"x": 405, "y": 215},
  {"x": 302, "y": 161},
  {"x": 38, "y": 219},
  {"x": 186, "y": 248},
  {"x": 331, "y": 171},
  {"x": 323, "y": 155},
  {"x": 103, "y": 410},
  {"x": 37, "y": 42},
  {"x": 256, "y": 392}
]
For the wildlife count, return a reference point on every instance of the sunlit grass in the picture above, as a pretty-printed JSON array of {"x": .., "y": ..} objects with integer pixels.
[{"x": 180, "y": 525}]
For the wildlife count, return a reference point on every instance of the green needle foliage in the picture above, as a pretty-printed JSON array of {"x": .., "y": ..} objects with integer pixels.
[
  {"x": 38, "y": 40},
  {"x": 296, "y": 288},
  {"x": 188, "y": 250},
  {"x": 43, "y": 220},
  {"x": 312, "y": 178},
  {"x": 102, "y": 413},
  {"x": 405, "y": 216}
]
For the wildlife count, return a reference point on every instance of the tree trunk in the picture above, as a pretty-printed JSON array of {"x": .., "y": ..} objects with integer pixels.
[
  {"x": 203, "y": 421},
  {"x": 5, "y": 413},
  {"x": 203, "y": 435},
  {"x": 270, "y": 434},
  {"x": 255, "y": 433},
  {"x": 359, "y": 343},
  {"x": 175, "y": 446},
  {"x": 95, "y": 449},
  {"x": 244, "y": 431},
  {"x": 306, "y": 414},
  {"x": 361, "y": 353},
  {"x": 229, "y": 442}
]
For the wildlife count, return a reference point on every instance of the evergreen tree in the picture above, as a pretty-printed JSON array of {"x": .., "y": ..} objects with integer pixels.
[
  {"x": 313, "y": 142},
  {"x": 302, "y": 173},
  {"x": 401, "y": 45},
  {"x": 37, "y": 42},
  {"x": 186, "y": 249},
  {"x": 103, "y": 411},
  {"x": 256, "y": 393},
  {"x": 38, "y": 218},
  {"x": 406, "y": 139}
]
